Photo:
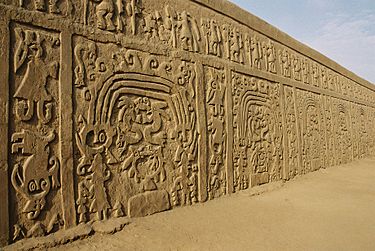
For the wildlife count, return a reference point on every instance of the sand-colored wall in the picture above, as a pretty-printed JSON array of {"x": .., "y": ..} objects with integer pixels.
[{"x": 128, "y": 108}]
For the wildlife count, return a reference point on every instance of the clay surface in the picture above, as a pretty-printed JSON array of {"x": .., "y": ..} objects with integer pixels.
[{"x": 126, "y": 108}]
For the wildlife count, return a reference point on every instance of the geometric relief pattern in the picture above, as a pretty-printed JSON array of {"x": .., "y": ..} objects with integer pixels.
[
  {"x": 257, "y": 124},
  {"x": 135, "y": 131},
  {"x": 34, "y": 125}
]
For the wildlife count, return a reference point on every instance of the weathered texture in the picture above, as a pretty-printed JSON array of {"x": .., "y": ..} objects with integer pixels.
[
  {"x": 148, "y": 203},
  {"x": 106, "y": 105}
]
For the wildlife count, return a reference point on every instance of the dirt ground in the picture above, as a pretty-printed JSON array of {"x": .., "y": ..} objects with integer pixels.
[{"x": 331, "y": 209}]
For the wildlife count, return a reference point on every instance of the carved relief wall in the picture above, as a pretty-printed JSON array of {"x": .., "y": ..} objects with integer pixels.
[
  {"x": 33, "y": 131},
  {"x": 129, "y": 108}
]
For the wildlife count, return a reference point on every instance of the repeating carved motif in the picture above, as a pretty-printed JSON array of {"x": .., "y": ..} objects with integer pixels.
[
  {"x": 141, "y": 143},
  {"x": 292, "y": 147},
  {"x": 312, "y": 131},
  {"x": 257, "y": 154},
  {"x": 110, "y": 15},
  {"x": 35, "y": 172},
  {"x": 213, "y": 37},
  {"x": 217, "y": 133},
  {"x": 316, "y": 75},
  {"x": 135, "y": 130},
  {"x": 233, "y": 43},
  {"x": 286, "y": 63},
  {"x": 297, "y": 67},
  {"x": 179, "y": 29},
  {"x": 306, "y": 71},
  {"x": 51, "y": 7}
]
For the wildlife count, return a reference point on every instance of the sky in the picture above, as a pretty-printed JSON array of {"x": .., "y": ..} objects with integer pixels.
[{"x": 343, "y": 30}]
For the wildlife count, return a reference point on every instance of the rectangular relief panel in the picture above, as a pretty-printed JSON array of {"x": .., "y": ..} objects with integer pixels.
[
  {"x": 35, "y": 199},
  {"x": 312, "y": 130},
  {"x": 342, "y": 131},
  {"x": 329, "y": 132},
  {"x": 361, "y": 137},
  {"x": 292, "y": 142},
  {"x": 216, "y": 114},
  {"x": 135, "y": 128},
  {"x": 258, "y": 131}
]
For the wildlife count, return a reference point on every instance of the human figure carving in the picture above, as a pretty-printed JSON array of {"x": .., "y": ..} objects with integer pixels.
[
  {"x": 270, "y": 56},
  {"x": 100, "y": 175},
  {"x": 189, "y": 32},
  {"x": 33, "y": 85},
  {"x": 104, "y": 13},
  {"x": 256, "y": 53},
  {"x": 236, "y": 46},
  {"x": 133, "y": 9}
]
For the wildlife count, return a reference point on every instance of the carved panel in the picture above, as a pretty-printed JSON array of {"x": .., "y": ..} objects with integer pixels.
[
  {"x": 292, "y": 144},
  {"x": 217, "y": 133},
  {"x": 343, "y": 131},
  {"x": 359, "y": 117},
  {"x": 135, "y": 127},
  {"x": 257, "y": 123},
  {"x": 35, "y": 179},
  {"x": 329, "y": 132},
  {"x": 312, "y": 130}
]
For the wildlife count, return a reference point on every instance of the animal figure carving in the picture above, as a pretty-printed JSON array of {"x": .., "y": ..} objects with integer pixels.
[{"x": 38, "y": 174}]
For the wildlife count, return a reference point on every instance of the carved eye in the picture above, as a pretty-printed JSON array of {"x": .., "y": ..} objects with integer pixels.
[
  {"x": 43, "y": 184},
  {"x": 32, "y": 186},
  {"x": 102, "y": 137}
]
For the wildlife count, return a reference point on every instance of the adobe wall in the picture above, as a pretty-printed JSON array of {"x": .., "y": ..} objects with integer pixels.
[{"x": 128, "y": 108}]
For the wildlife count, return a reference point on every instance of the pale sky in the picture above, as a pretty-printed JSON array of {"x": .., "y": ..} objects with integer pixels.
[{"x": 343, "y": 30}]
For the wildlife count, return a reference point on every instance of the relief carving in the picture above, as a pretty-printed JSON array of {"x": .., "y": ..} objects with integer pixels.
[
  {"x": 306, "y": 78},
  {"x": 292, "y": 148},
  {"x": 50, "y": 6},
  {"x": 141, "y": 142},
  {"x": 270, "y": 56},
  {"x": 137, "y": 131},
  {"x": 257, "y": 136},
  {"x": 213, "y": 38},
  {"x": 285, "y": 63},
  {"x": 215, "y": 99},
  {"x": 36, "y": 168},
  {"x": 32, "y": 94},
  {"x": 111, "y": 15},
  {"x": 312, "y": 131},
  {"x": 343, "y": 134}
]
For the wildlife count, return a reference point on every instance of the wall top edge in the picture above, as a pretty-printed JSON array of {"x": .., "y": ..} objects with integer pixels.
[{"x": 244, "y": 17}]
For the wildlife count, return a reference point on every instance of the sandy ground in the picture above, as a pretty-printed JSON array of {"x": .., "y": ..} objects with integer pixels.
[{"x": 331, "y": 209}]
